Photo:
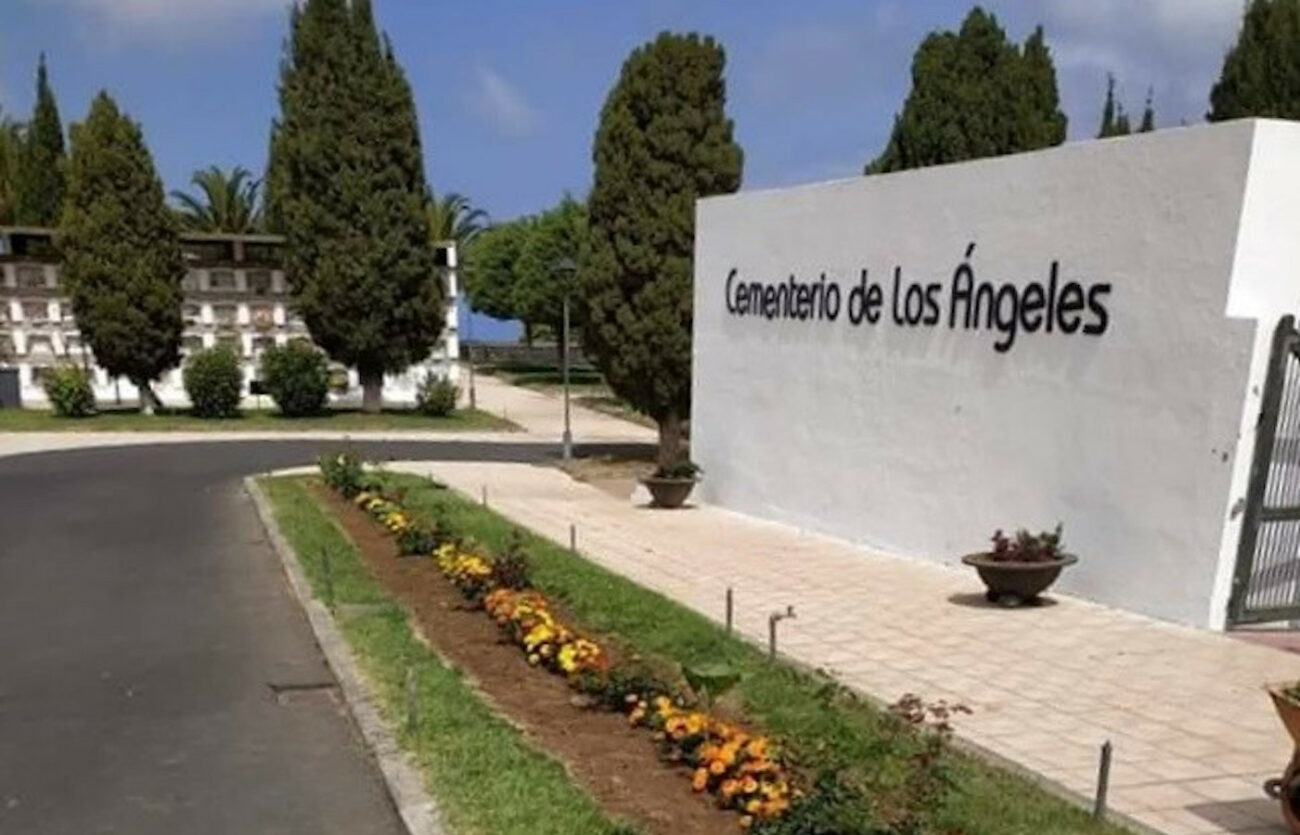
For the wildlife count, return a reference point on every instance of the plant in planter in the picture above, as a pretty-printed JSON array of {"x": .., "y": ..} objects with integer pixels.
[
  {"x": 1286, "y": 789},
  {"x": 670, "y": 484},
  {"x": 1019, "y": 569}
]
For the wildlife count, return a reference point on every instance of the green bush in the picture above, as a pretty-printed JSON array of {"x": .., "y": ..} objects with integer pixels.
[
  {"x": 69, "y": 391},
  {"x": 214, "y": 382},
  {"x": 436, "y": 396},
  {"x": 343, "y": 472},
  {"x": 297, "y": 377}
]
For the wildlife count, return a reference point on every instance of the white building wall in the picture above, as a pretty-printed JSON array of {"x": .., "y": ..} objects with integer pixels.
[{"x": 922, "y": 440}]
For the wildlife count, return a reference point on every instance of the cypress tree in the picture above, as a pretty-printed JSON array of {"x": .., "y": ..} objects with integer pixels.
[
  {"x": 1261, "y": 73},
  {"x": 40, "y": 184},
  {"x": 121, "y": 259},
  {"x": 347, "y": 188},
  {"x": 664, "y": 140},
  {"x": 1108, "y": 110},
  {"x": 1148, "y": 115},
  {"x": 975, "y": 94}
]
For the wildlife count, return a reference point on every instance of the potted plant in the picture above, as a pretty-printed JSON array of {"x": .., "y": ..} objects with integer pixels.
[
  {"x": 1286, "y": 699},
  {"x": 1018, "y": 570},
  {"x": 670, "y": 484}
]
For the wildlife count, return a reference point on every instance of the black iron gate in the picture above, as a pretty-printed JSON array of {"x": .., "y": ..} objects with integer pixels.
[{"x": 1266, "y": 585}]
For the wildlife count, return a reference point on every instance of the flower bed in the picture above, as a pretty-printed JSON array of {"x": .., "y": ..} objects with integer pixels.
[{"x": 742, "y": 771}]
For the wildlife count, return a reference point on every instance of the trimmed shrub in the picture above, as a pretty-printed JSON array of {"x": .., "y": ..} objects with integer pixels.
[
  {"x": 343, "y": 472},
  {"x": 297, "y": 378},
  {"x": 214, "y": 382},
  {"x": 69, "y": 391},
  {"x": 436, "y": 396}
]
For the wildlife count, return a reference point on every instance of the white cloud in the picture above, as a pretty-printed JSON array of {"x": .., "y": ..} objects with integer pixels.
[
  {"x": 499, "y": 103},
  {"x": 134, "y": 20}
]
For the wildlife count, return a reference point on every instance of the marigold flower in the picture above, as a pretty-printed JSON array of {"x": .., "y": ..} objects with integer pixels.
[{"x": 700, "y": 780}]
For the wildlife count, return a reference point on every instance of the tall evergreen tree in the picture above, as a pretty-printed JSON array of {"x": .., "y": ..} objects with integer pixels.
[
  {"x": 539, "y": 289},
  {"x": 1261, "y": 73},
  {"x": 664, "y": 140},
  {"x": 11, "y": 152},
  {"x": 1108, "y": 126},
  {"x": 40, "y": 183},
  {"x": 975, "y": 94},
  {"x": 1148, "y": 114},
  {"x": 121, "y": 258},
  {"x": 347, "y": 188}
]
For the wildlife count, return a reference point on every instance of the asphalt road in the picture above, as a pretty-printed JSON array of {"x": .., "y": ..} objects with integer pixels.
[{"x": 144, "y": 620}]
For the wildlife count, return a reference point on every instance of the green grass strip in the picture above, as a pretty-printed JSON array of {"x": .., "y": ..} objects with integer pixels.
[
  {"x": 823, "y": 723},
  {"x": 485, "y": 777}
]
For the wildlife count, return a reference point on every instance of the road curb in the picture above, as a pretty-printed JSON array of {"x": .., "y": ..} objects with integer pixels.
[{"x": 405, "y": 785}]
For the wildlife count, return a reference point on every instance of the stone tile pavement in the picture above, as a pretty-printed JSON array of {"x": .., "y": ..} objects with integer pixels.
[
  {"x": 1193, "y": 732},
  {"x": 543, "y": 414}
]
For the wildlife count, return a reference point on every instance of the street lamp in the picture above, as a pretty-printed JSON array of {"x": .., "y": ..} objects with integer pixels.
[{"x": 565, "y": 269}]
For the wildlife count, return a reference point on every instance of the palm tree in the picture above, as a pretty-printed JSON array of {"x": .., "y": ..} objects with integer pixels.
[
  {"x": 452, "y": 218},
  {"x": 226, "y": 203}
]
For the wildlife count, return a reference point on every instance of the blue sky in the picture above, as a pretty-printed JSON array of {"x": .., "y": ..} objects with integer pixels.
[{"x": 509, "y": 91}]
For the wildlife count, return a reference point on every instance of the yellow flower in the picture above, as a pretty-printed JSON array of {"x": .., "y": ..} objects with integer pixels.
[{"x": 700, "y": 780}]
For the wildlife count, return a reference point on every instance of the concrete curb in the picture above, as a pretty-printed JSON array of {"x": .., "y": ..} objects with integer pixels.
[{"x": 405, "y": 784}]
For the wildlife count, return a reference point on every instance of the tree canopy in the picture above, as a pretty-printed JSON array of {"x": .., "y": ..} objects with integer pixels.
[
  {"x": 40, "y": 181},
  {"x": 225, "y": 202},
  {"x": 1114, "y": 118},
  {"x": 347, "y": 188},
  {"x": 490, "y": 268},
  {"x": 121, "y": 259},
  {"x": 664, "y": 140},
  {"x": 556, "y": 235},
  {"x": 1261, "y": 73},
  {"x": 975, "y": 94}
]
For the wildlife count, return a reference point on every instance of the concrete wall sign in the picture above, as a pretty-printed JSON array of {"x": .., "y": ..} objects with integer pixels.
[{"x": 914, "y": 360}]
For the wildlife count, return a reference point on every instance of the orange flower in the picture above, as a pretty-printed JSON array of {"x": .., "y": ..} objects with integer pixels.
[
  {"x": 717, "y": 767},
  {"x": 700, "y": 780}
]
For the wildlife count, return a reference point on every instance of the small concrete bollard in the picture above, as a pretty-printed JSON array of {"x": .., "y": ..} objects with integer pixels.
[
  {"x": 772, "y": 620},
  {"x": 1103, "y": 781},
  {"x": 485, "y": 504},
  {"x": 573, "y": 538},
  {"x": 731, "y": 608},
  {"x": 412, "y": 703}
]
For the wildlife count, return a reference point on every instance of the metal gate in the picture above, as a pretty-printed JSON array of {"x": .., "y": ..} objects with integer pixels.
[{"x": 1266, "y": 585}]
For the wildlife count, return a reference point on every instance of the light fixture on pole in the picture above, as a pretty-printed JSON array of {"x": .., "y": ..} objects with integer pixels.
[{"x": 565, "y": 268}]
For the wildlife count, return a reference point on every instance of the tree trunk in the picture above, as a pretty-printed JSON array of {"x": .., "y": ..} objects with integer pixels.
[
  {"x": 670, "y": 440},
  {"x": 149, "y": 401},
  {"x": 372, "y": 391},
  {"x": 528, "y": 334}
]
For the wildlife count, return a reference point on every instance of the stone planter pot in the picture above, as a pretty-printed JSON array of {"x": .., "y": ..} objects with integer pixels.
[
  {"x": 1286, "y": 789},
  {"x": 668, "y": 492},
  {"x": 1015, "y": 583}
]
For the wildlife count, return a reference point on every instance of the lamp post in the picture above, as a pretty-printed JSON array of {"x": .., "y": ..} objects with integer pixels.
[{"x": 565, "y": 268}]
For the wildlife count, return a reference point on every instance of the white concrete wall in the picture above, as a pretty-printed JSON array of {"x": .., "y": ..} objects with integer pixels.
[{"x": 921, "y": 440}]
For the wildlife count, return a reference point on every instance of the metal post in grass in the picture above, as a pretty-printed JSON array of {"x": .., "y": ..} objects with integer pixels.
[
  {"x": 327, "y": 577},
  {"x": 485, "y": 504},
  {"x": 573, "y": 538},
  {"x": 730, "y": 609},
  {"x": 1103, "y": 781},
  {"x": 772, "y": 620},
  {"x": 412, "y": 702}
]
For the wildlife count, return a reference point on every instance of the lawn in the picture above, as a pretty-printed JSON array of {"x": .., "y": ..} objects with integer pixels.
[
  {"x": 115, "y": 420},
  {"x": 823, "y": 723},
  {"x": 485, "y": 776}
]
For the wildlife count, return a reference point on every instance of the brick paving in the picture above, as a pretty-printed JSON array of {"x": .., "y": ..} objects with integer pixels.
[{"x": 1193, "y": 732}]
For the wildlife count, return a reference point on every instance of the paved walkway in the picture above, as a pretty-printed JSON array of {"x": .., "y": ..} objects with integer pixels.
[
  {"x": 1193, "y": 732},
  {"x": 539, "y": 416},
  {"x": 542, "y": 415}
]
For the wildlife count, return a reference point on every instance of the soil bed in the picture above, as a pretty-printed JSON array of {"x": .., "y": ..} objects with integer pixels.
[{"x": 617, "y": 763}]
